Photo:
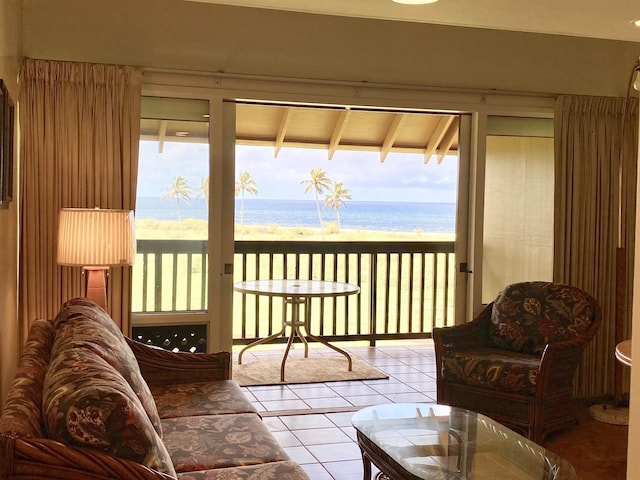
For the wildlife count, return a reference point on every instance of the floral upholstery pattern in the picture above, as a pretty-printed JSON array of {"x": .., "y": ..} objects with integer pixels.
[
  {"x": 87, "y": 403},
  {"x": 528, "y": 315},
  {"x": 219, "y": 441},
  {"x": 76, "y": 325},
  {"x": 80, "y": 408},
  {"x": 22, "y": 414},
  {"x": 206, "y": 398},
  {"x": 488, "y": 367},
  {"x": 269, "y": 471}
]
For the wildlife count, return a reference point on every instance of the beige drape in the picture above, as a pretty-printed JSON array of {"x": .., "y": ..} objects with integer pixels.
[
  {"x": 596, "y": 151},
  {"x": 80, "y": 126}
]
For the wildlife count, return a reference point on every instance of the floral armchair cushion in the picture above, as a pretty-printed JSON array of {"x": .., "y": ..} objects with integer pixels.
[
  {"x": 528, "y": 315},
  {"x": 503, "y": 370},
  {"x": 88, "y": 403},
  {"x": 76, "y": 325}
]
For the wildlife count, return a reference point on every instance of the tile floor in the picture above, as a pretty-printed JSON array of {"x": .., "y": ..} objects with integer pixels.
[{"x": 313, "y": 421}]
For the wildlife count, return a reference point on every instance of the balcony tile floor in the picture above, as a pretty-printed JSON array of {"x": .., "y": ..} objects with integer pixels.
[{"x": 313, "y": 421}]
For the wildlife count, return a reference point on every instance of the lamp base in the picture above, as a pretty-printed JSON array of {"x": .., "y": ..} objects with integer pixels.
[
  {"x": 609, "y": 413},
  {"x": 96, "y": 287}
]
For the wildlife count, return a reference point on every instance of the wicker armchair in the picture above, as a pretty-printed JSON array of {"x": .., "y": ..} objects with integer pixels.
[{"x": 516, "y": 361}]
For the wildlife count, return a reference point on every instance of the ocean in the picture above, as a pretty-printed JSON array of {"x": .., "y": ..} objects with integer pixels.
[{"x": 379, "y": 216}]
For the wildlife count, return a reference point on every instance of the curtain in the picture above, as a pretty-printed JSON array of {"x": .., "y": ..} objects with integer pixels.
[
  {"x": 596, "y": 145},
  {"x": 80, "y": 127}
]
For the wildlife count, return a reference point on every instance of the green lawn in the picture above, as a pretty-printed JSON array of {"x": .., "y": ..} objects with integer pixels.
[{"x": 193, "y": 229}]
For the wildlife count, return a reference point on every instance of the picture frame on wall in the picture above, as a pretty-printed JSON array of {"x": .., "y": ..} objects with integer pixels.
[{"x": 7, "y": 119}]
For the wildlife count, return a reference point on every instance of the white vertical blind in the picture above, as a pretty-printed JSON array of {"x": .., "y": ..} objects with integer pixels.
[{"x": 518, "y": 219}]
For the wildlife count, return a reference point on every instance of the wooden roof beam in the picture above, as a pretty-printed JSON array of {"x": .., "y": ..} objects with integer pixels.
[
  {"x": 447, "y": 140},
  {"x": 436, "y": 137},
  {"x": 282, "y": 131},
  {"x": 338, "y": 131},
  {"x": 392, "y": 135},
  {"x": 162, "y": 133},
  {"x": 318, "y": 145}
]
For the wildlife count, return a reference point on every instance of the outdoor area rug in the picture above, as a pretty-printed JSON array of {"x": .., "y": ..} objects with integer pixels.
[{"x": 303, "y": 370}]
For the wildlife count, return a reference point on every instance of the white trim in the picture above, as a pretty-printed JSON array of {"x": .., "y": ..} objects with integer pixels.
[
  {"x": 364, "y": 95},
  {"x": 141, "y": 319},
  {"x": 476, "y": 213}
]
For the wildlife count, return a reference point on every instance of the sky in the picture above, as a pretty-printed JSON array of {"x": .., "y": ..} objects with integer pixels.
[{"x": 401, "y": 178}]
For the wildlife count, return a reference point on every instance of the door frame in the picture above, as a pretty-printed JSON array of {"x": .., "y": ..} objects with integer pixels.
[{"x": 224, "y": 90}]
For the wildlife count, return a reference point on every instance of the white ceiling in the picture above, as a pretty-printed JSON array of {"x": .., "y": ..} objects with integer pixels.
[{"x": 605, "y": 19}]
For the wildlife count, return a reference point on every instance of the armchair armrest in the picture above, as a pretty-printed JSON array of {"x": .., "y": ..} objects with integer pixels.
[
  {"x": 163, "y": 367},
  {"x": 560, "y": 360},
  {"x": 470, "y": 334}
]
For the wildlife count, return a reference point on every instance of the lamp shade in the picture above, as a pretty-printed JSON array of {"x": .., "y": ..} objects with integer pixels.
[{"x": 96, "y": 237}]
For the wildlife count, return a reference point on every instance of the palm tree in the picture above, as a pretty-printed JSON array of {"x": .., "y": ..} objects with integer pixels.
[
  {"x": 319, "y": 182},
  {"x": 245, "y": 184},
  {"x": 180, "y": 190},
  {"x": 336, "y": 199},
  {"x": 203, "y": 190}
]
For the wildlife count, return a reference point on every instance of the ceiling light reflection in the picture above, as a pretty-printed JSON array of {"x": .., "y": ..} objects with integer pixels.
[{"x": 415, "y": 2}]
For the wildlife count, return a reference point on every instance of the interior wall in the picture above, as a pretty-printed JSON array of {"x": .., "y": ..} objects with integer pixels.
[
  {"x": 633, "y": 462},
  {"x": 194, "y": 36},
  {"x": 9, "y": 339}
]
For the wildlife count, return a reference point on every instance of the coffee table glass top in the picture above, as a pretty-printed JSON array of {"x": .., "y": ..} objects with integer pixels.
[{"x": 430, "y": 441}]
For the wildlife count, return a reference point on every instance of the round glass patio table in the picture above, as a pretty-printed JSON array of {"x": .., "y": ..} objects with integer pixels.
[{"x": 296, "y": 293}]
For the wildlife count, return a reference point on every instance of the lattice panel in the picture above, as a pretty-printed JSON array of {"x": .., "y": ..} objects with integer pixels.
[{"x": 184, "y": 338}]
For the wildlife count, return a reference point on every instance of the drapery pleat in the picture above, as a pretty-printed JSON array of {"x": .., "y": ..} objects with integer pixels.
[
  {"x": 80, "y": 128},
  {"x": 596, "y": 145}
]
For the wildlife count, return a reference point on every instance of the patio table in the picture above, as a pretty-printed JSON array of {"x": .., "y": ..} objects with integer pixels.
[{"x": 296, "y": 293}]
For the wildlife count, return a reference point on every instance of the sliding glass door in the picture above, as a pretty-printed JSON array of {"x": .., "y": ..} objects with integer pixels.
[{"x": 170, "y": 276}]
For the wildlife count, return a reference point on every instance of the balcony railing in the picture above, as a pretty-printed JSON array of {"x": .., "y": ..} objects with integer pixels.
[
  {"x": 406, "y": 288},
  {"x": 170, "y": 275}
]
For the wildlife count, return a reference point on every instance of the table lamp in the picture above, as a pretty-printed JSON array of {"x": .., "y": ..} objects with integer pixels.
[{"x": 96, "y": 239}]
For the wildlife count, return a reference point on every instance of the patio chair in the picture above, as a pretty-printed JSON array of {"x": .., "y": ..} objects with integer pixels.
[{"x": 516, "y": 361}]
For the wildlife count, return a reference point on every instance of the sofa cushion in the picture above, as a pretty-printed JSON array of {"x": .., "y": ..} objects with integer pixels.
[
  {"x": 206, "y": 398},
  {"x": 268, "y": 471},
  {"x": 219, "y": 441},
  {"x": 528, "y": 315},
  {"x": 504, "y": 370},
  {"x": 76, "y": 326},
  {"x": 87, "y": 403},
  {"x": 22, "y": 413}
]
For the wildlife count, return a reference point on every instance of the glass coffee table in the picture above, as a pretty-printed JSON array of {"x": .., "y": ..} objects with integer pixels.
[{"x": 423, "y": 441}]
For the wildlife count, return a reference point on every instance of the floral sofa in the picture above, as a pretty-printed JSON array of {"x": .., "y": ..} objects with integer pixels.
[{"x": 89, "y": 403}]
